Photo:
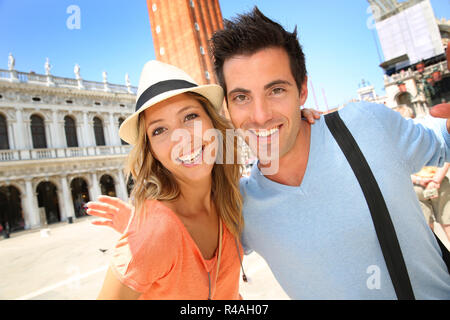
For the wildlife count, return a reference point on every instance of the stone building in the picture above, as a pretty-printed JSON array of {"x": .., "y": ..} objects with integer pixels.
[
  {"x": 419, "y": 89},
  {"x": 59, "y": 145}
]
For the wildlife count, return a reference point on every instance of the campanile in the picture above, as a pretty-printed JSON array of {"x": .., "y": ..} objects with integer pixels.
[{"x": 181, "y": 30}]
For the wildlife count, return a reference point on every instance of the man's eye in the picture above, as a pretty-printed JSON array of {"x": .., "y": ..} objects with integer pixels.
[
  {"x": 158, "y": 131},
  {"x": 240, "y": 98},
  {"x": 190, "y": 116},
  {"x": 278, "y": 90}
]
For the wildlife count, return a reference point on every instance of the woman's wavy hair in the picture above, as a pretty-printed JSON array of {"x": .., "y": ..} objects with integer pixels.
[{"x": 151, "y": 180}]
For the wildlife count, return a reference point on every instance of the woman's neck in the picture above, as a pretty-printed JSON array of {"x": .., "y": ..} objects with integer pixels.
[{"x": 194, "y": 200}]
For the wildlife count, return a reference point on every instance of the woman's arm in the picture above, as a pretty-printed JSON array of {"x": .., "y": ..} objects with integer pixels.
[{"x": 113, "y": 289}]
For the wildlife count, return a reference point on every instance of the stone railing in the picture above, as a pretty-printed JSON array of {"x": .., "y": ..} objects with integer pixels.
[
  {"x": 428, "y": 71},
  {"x": 53, "y": 81},
  {"x": 54, "y": 153}
]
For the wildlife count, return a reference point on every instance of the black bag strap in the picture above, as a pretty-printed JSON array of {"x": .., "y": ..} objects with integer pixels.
[
  {"x": 380, "y": 215},
  {"x": 445, "y": 252}
]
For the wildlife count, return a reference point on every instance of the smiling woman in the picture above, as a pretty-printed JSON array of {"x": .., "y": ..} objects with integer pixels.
[{"x": 175, "y": 245}]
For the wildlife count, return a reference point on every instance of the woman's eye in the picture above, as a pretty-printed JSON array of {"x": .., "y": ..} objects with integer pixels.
[
  {"x": 190, "y": 116},
  {"x": 158, "y": 131}
]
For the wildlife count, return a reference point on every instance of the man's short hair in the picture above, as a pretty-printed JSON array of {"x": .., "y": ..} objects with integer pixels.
[{"x": 251, "y": 32}]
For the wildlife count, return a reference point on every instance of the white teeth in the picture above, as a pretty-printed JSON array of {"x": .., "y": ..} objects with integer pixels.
[
  {"x": 191, "y": 157},
  {"x": 265, "y": 133}
]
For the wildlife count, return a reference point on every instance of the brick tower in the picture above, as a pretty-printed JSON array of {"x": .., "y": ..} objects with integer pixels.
[{"x": 181, "y": 30}]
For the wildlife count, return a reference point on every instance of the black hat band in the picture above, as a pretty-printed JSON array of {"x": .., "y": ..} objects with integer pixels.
[{"x": 161, "y": 87}]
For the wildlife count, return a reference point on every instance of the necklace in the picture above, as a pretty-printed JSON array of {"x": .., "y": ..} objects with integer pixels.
[{"x": 218, "y": 261}]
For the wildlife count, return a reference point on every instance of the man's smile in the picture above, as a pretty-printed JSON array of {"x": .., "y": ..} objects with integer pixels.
[{"x": 264, "y": 133}]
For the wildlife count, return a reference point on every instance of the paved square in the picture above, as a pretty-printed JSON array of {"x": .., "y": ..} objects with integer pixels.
[{"x": 69, "y": 262}]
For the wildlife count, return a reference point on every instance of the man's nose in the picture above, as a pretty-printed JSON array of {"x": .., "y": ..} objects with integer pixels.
[{"x": 261, "y": 112}]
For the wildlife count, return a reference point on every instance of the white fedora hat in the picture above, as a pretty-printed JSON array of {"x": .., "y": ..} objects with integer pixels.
[{"x": 160, "y": 81}]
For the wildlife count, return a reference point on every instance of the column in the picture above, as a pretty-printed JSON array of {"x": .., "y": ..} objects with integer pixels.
[
  {"x": 66, "y": 198},
  {"x": 54, "y": 131},
  {"x": 80, "y": 135},
  {"x": 122, "y": 189},
  {"x": 32, "y": 218},
  {"x": 20, "y": 130},
  {"x": 48, "y": 134},
  {"x": 113, "y": 129},
  {"x": 11, "y": 140},
  {"x": 28, "y": 140},
  {"x": 94, "y": 189},
  {"x": 87, "y": 131},
  {"x": 89, "y": 136},
  {"x": 107, "y": 132}
]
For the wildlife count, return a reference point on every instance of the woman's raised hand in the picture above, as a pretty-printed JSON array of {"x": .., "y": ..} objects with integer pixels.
[{"x": 115, "y": 212}]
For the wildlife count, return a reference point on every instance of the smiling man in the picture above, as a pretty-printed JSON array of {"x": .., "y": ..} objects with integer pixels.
[{"x": 310, "y": 220}]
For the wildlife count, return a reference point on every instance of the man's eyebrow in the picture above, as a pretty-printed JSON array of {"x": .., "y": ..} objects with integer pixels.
[
  {"x": 240, "y": 90},
  {"x": 267, "y": 86},
  {"x": 276, "y": 82}
]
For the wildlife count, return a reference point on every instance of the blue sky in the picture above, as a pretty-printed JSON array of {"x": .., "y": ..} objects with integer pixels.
[{"x": 115, "y": 36}]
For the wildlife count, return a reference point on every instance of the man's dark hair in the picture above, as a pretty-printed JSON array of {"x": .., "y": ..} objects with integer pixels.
[{"x": 251, "y": 32}]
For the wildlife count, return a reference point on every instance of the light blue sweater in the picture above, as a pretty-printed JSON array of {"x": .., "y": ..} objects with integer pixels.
[{"x": 319, "y": 239}]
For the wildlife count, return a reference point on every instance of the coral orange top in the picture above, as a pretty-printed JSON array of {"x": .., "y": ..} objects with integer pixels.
[{"x": 157, "y": 256}]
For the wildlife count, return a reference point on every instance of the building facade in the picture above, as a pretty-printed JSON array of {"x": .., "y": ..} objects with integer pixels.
[
  {"x": 413, "y": 42},
  {"x": 59, "y": 145},
  {"x": 181, "y": 30},
  {"x": 417, "y": 88}
]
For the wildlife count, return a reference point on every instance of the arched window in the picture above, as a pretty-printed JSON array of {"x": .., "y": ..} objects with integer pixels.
[
  {"x": 71, "y": 132},
  {"x": 98, "y": 131},
  {"x": 107, "y": 185},
  {"x": 11, "y": 215},
  {"x": 80, "y": 196},
  {"x": 120, "y": 123},
  {"x": 47, "y": 196},
  {"x": 404, "y": 99},
  {"x": 38, "y": 132},
  {"x": 4, "y": 144}
]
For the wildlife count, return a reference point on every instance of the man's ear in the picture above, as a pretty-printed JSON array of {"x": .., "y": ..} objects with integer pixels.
[
  {"x": 225, "y": 112},
  {"x": 304, "y": 91}
]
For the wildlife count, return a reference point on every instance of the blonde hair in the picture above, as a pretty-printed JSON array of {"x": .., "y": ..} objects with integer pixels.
[{"x": 153, "y": 181}]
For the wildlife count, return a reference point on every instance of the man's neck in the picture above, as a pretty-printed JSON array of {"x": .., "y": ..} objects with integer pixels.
[{"x": 292, "y": 165}]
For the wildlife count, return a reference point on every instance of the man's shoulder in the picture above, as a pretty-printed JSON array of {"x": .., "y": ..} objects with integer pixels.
[
  {"x": 243, "y": 184},
  {"x": 370, "y": 115},
  {"x": 366, "y": 108}
]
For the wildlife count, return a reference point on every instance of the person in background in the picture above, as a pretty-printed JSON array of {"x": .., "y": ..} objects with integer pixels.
[{"x": 432, "y": 187}]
